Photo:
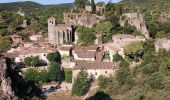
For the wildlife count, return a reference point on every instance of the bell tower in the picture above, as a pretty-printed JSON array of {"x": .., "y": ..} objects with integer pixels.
[{"x": 51, "y": 29}]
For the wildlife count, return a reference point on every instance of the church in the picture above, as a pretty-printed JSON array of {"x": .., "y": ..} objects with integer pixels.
[{"x": 59, "y": 34}]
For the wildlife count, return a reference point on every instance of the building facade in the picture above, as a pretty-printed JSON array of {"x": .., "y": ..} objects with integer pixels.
[{"x": 58, "y": 34}]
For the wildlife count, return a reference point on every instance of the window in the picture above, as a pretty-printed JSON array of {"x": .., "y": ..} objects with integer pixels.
[
  {"x": 44, "y": 55},
  {"x": 105, "y": 72},
  {"x": 95, "y": 73}
]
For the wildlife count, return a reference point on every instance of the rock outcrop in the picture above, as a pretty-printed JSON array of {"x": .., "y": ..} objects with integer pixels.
[
  {"x": 6, "y": 91},
  {"x": 82, "y": 19},
  {"x": 165, "y": 17},
  {"x": 137, "y": 20},
  {"x": 162, "y": 43}
]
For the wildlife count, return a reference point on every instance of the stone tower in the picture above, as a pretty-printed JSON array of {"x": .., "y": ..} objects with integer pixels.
[{"x": 51, "y": 27}]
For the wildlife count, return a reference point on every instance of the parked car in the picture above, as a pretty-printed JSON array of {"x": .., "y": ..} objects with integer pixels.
[
  {"x": 44, "y": 90},
  {"x": 51, "y": 89},
  {"x": 58, "y": 87}
]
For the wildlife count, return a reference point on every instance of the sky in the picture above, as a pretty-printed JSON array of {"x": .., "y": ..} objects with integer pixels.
[{"x": 53, "y": 1}]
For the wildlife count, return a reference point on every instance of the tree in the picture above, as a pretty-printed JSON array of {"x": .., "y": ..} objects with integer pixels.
[
  {"x": 117, "y": 58},
  {"x": 27, "y": 61},
  {"x": 5, "y": 44},
  {"x": 54, "y": 56},
  {"x": 35, "y": 61},
  {"x": 93, "y": 6},
  {"x": 160, "y": 34},
  {"x": 54, "y": 71},
  {"x": 31, "y": 74},
  {"x": 134, "y": 50},
  {"x": 103, "y": 28},
  {"x": 103, "y": 82},
  {"x": 43, "y": 76},
  {"x": 119, "y": 10},
  {"x": 86, "y": 36},
  {"x": 68, "y": 75},
  {"x": 80, "y": 83},
  {"x": 155, "y": 81},
  {"x": 81, "y": 3},
  {"x": 123, "y": 75}
]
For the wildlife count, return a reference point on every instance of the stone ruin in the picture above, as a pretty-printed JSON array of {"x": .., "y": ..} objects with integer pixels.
[
  {"x": 82, "y": 19},
  {"x": 137, "y": 20},
  {"x": 6, "y": 91}
]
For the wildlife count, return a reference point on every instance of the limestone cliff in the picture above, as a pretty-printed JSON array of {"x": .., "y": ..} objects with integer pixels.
[
  {"x": 137, "y": 20},
  {"x": 82, "y": 19},
  {"x": 6, "y": 91}
]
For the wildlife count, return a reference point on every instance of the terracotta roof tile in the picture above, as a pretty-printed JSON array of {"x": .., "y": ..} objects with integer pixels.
[{"x": 65, "y": 48}]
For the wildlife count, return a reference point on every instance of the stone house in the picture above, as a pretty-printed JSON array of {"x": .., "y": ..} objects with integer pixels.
[
  {"x": 16, "y": 38},
  {"x": 162, "y": 43},
  {"x": 87, "y": 53},
  {"x": 95, "y": 69},
  {"x": 118, "y": 43},
  {"x": 36, "y": 37},
  {"x": 31, "y": 51},
  {"x": 58, "y": 34},
  {"x": 123, "y": 39},
  {"x": 65, "y": 51}
]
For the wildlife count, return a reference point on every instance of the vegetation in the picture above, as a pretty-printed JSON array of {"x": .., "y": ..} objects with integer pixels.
[
  {"x": 5, "y": 44},
  {"x": 23, "y": 89},
  {"x": 86, "y": 36},
  {"x": 68, "y": 75},
  {"x": 80, "y": 84},
  {"x": 93, "y": 6},
  {"x": 31, "y": 74},
  {"x": 11, "y": 22},
  {"x": 27, "y": 61},
  {"x": 105, "y": 29},
  {"x": 43, "y": 76},
  {"x": 54, "y": 57},
  {"x": 134, "y": 50},
  {"x": 81, "y": 3},
  {"x": 54, "y": 71},
  {"x": 32, "y": 61},
  {"x": 144, "y": 81},
  {"x": 117, "y": 58}
]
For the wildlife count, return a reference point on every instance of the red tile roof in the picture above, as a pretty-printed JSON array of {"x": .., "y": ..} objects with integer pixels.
[
  {"x": 65, "y": 48},
  {"x": 15, "y": 35},
  {"x": 85, "y": 54},
  {"x": 88, "y": 48},
  {"x": 15, "y": 54}
]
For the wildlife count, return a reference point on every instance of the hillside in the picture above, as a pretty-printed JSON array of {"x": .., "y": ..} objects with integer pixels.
[
  {"x": 146, "y": 1},
  {"x": 28, "y": 6},
  {"x": 19, "y": 5}
]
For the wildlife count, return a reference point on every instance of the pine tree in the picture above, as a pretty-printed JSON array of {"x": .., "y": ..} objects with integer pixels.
[
  {"x": 93, "y": 6},
  {"x": 80, "y": 83}
]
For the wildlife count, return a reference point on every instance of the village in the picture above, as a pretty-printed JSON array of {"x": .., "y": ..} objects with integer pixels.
[{"x": 63, "y": 40}]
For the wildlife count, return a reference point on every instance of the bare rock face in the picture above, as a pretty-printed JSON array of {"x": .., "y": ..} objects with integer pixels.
[
  {"x": 6, "y": 89},
  {"x": 82, "y": 19},
  {"x": 137, "y": 20},
  {"x": 165, "y": 17}
]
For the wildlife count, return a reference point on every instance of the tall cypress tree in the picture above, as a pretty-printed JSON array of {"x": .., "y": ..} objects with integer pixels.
[{"x": 93, "y": 6}]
